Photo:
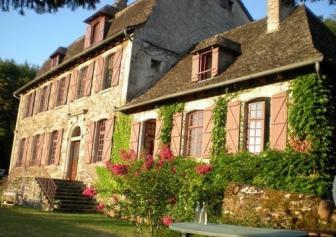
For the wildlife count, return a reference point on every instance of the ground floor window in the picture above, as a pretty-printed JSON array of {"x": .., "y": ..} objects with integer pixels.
[
  {"x": 194, "y": 133},
  {"x": 149, "y": 136}
]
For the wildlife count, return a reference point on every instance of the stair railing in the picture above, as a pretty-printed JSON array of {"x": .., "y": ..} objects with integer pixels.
[{"x": 49, "y": 187}]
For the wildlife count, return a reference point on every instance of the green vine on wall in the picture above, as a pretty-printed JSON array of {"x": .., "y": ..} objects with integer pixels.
[
  {"x": 311, "y": 118},
  {"x": 166, "y": 113},
  {"x": 219, "y": 131},
  {"x": 121, "y": 135}
]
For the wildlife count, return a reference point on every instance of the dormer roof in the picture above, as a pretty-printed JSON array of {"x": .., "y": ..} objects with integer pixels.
[
  {"x": 107, "y": 10},
  {"x": 219, "y": 41},
  {"x": 59, "y": 51}
]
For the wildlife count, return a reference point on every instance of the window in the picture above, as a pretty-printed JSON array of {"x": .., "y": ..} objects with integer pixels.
[
  {"x": 62, "y": 92},
  {"x": 52, "y": 147},
  {"x": 149, "y": 136},
  {"x": 30, "y": 105},
  {"x": 21, "y": 152},
  {"x": 108, "y": 72},
  {"x": 194, "y": 133},
  {"x": 256, "y": 116},
  {"x": 44, "y": 99},
  {"x": 205, "y": 65},
  {"x": 81, "y": 82},
  {"x": 95, "y": 33},
  {"x": 227, "y": 4},
  {"x": 100, "y": 139},
  {"x": 36, "y": 150}
]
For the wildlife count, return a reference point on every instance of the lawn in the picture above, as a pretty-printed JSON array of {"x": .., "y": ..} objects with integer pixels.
[{"x": 22, "y": 222}]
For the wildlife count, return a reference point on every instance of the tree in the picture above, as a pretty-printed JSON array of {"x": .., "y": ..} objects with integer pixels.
[
  {"x": 12, "y": 76},
  {"x": 47, "y": 6},
  {"x": 331, "y": 23}
]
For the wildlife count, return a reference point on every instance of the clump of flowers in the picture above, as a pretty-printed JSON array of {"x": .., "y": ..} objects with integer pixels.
[
  {"x": 119, "y": 169},
  {"x": 167, "y": 220},
  {"x": 300, "y": 145},
  {"x": 128, "y": 156},
  {"x": 166, "y": 153},
  {"x": 100, "y": 207},
  {"x": 89, "y": 192},
  {"x": 149, "y": 162},
  {"x": 203, "y": 169}
]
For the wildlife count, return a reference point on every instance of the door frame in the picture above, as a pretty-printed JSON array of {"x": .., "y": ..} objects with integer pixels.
[{"x": 72, "y": 139}]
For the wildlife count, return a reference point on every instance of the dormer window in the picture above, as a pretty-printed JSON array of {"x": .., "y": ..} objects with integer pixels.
[
  {"x": 55, "y": 61},
  {"x": 205, "y": 64},
  {"x": 95, "y": 37},
  {"x": 57, "y": 57},
  {"x": 94, "y": 31}
]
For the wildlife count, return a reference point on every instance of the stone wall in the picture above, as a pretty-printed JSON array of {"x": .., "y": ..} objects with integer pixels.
[{"x": 246, "y": 204}]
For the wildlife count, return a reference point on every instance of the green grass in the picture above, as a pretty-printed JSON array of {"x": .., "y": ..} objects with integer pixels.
[{"x": 19, "y": 222}]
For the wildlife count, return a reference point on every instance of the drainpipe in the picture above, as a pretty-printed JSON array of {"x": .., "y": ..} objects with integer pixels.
[{"x": 318, "y": 70}]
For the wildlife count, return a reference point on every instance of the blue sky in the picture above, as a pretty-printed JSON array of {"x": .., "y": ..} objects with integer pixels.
[{"x": 34, "y": 37}]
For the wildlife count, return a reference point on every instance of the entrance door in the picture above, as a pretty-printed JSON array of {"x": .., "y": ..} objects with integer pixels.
[{"x": 74, "y": 154}]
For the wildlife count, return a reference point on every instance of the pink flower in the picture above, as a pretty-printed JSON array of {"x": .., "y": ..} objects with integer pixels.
[
  {"x": 128, "y": 156},
  {"x": 203, "y": 169},
  {"x": 149, "y": 161},
  {"x": 108, "y": 164},
  {"x": 89, "y": 192},
  {"x": 119, "y": 169},
  {"x": 166, "y": 153},
  {"x": 167, "y": 220},
  {"x": 100, "y": 207},
  {"x": 172, "y": 200}
]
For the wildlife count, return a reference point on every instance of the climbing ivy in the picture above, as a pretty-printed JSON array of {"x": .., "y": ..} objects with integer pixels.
[
  {"x": 166, "y": 113},
  {"x": 312, "y": 120},
  {"x": 121, "y": 135}
]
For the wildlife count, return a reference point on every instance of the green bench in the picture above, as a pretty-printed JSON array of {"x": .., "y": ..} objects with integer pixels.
[{"x": 187, "y": 229}]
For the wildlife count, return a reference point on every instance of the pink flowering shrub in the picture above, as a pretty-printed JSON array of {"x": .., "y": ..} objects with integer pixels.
[
  {"x": 167, "y": 220},
  {"x": 89, "y": 192},
  {"x": 100, "y": 207},
  {"x": 203, "y": 169}
]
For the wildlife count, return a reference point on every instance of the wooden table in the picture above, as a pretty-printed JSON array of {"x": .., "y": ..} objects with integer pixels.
[{"x": 187, "y": 229}]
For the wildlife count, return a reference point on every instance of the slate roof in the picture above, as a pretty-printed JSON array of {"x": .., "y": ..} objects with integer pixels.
[
  {"x": 134, "y": 15},
  {"x": 302, "y": 37}
]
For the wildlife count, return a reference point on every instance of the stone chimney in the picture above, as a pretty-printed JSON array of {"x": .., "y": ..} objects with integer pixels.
[
  {"x": 278, "y": 10},
  {"x": 120, "y": 4}
]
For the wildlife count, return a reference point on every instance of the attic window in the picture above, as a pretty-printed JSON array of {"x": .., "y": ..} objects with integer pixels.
[
  {"x": 227, "y": 4},
  {"x": 95, "y": 31},
  {"x": 205, "y": 64},
  {"x": 56, "y": 60}
]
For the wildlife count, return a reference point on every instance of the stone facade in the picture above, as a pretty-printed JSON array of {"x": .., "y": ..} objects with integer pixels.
[{"x": 247, "y": 204}]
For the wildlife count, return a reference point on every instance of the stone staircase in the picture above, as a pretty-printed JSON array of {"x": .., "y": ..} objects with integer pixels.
[{"x": 69, "y": 198}]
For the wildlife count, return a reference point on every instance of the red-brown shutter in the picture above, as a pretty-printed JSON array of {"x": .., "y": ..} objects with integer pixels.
[
  {"x": 65, "y": 95},
  {"x": 73, "y": 86},
  {"x": 88, "y": 80},
  {"x": 22, "y": 149},
  {"x": 23, "y": 106},
  {"x": 195, "y": 67},
  {"x": 107, "y": 147},
  {"x": 232, "y": 126},
  {"x": 99, "y": 72},
  {"x": 208, "y": 125},
  {"x": 176, "y": 134},
  {"x": 215, "y": 60},
  {"x": 101, "y": 29},
  {"x": 58, "y": 146},
  {"x": 29, "y": 151},
  {"x": 278, "y": 139},
  {"x": 31, "y": 104},
  {"x": 157, "y": 142},
  {"x": 87, "y": 39},
  {"x": 46, "y": 100},
  {"x": 89, "y": 142},
  {"x": 40, "y": 149},
  {"x": 46, "y": 146},
  {"x": 53, "y": 95},
  {"x": 25, "y": 152},
  {"x": 37, "y": 101},
  {"x": 135, "y": 136},
  {"x": 116, "y": 67}
]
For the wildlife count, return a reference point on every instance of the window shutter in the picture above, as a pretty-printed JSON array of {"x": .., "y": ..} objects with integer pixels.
[
  {"x": 99, "y": 74},
  {"x": 88, "y": 80},
  {"x": 31, "y": 104},
  {"x": 46, "y": 101},
  {"x": 232, "y": 126},
  {"x": 157, "y": 142},
  {"x": 65, "y": 95},
  {"x": 207, "y": 132},
  {"x": 87, "y": 37},
  {"x": 23, "y": 106},
  {"x": 37, "y": 101},
  {"x": 58, "y": 146},
  {"x": 215, "y": 60},
  {"x": 135, "y": 136},
  {"x": 101, "y": 30},
  {"x": 117, "y": 57},
  {"x": 176, "y": 134},
  {"x": 108, "y": 140},
  {"x": 46, "y": 146},
  {"x": 40, "y": 149},
  {"x": 21, "y": 151},
  {"x": 73, "y": 86},
  {"x": 278, "y": 139},
  {"x": 53, "y": 95},
  {"x": 89, "y": 142},
  {"x": 195, "y": 67},
  {"x": 29, "y": 151}
]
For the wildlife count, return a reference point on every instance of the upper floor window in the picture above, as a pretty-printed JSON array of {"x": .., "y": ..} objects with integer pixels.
[
  {"x": 205, "y": 64},
  {"x": 255, "y": 129},
  {"x": 227, "y": 4},
  {"x": 44, "y": 99},
  {"x": 29, "y": 105},
  {"x": 107, "y": 82},
  {"x": 81, "y": 82},
  {"x": 62, "y": 91},
  {"x": 194, "y": 134},
  {"x": 53, "y": 147}
]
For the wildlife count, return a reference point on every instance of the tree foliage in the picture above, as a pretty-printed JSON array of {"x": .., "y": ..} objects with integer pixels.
[
  {"x": 331, "y": 23},
  {"x": 12, "y": 76}
]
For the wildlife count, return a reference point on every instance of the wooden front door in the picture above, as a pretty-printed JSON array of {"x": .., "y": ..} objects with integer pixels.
[{"x": 74, "y": 154}]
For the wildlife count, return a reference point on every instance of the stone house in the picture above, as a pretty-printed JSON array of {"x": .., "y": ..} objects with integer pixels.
[{"x": 66, "y": 116}]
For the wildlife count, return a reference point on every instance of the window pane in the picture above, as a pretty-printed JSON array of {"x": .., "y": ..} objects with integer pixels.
[
  {"x": 255, "y": 129},
  {"x": 195, "y": 133}
]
